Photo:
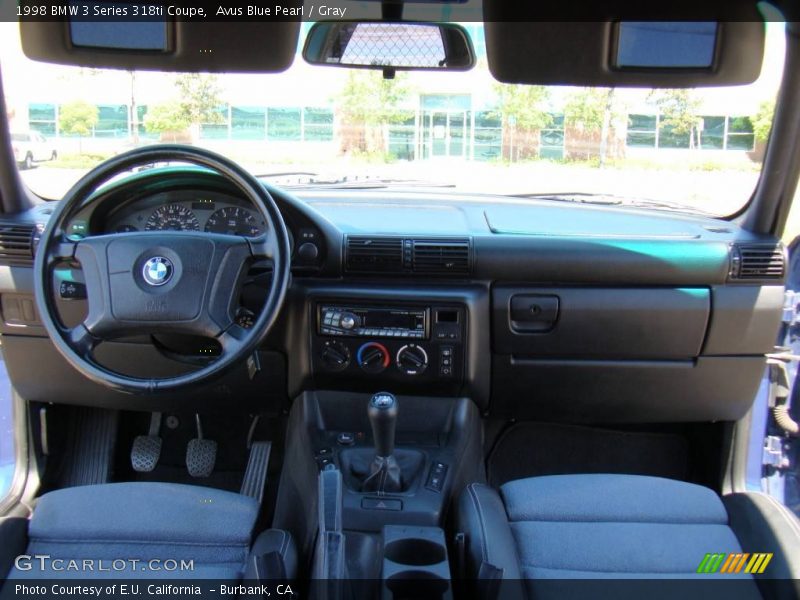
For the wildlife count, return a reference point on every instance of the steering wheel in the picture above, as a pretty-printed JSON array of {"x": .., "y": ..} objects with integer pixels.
[{"x": 153, "y": 282}]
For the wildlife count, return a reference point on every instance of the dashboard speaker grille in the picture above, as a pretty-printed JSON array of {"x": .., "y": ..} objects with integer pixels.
[
  {"x": 758, "y": 262},
  {"x": 16, "y": 243}
]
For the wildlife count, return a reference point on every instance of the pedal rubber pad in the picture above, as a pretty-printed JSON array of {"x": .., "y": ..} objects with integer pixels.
[
  {"x": 201, "y": 456},
  {"x": 145, "y": 452},
  {"x": 255, "y": 477}
]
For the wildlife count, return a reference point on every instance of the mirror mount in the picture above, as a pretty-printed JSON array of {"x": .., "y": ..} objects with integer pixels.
[{"x": 391, "y": 10}]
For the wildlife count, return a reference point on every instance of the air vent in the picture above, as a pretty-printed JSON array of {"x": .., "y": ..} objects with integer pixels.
[
  {"x": 758, "y": 262},
  {"x": 374, "y": 255},
  {"x": 441, "y": 256},
  {"x": 16, "y": 243}
]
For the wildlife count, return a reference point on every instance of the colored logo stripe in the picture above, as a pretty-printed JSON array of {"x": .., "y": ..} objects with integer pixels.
[
  {"x": 758, "y": 563},
  {"x": 735, "y": 562}
]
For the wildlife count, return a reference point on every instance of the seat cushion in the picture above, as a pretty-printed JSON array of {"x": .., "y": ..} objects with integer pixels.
[
  {"x": 538, "y": 534},
  {"x": 597, "y": 526},
  {"x": 142, "y": 522}
]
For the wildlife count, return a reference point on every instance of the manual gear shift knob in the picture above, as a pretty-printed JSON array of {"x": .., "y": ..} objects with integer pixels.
[{"x": 382, "y": 412}]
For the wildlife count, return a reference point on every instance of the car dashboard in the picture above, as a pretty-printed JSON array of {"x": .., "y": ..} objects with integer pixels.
[{"x": 530, "y": 308}]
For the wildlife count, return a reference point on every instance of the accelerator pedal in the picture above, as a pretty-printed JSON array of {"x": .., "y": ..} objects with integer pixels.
[
  {"x": 146, "y": 449},
  {"x": 201, "y": 453},
  {"x": 255, "y": 476}
]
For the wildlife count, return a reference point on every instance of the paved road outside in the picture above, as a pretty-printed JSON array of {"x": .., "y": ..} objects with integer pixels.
[{"x": 719, "y": 192}]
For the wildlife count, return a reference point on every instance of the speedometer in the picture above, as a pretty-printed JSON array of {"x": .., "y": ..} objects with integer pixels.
[
  {"x": 172, "y": 217},
  {"x": 233, "y": 220}
]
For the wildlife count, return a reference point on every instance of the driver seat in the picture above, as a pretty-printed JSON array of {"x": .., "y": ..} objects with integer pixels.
[{"x": 143, "y": 521}]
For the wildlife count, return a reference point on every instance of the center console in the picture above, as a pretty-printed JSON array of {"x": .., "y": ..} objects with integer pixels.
[
  {"x": 405, "y": 344},
  {"x": 388, "y": 405},
  {"x": 388, "y": 467}
]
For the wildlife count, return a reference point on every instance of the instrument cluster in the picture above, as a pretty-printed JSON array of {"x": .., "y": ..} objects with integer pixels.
[{"x": 212, "y": 212}]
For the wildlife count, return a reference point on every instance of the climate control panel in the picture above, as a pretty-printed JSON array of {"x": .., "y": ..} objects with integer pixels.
[{"x": 347, "y": 348}]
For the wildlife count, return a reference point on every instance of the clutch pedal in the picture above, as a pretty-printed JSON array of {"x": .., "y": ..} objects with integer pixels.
[
  {"x": 146, "y": 449},
  {"x": 201, "y": 453}
]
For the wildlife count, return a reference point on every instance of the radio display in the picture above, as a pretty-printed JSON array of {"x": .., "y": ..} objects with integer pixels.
[
  {"x": 395, "y": 319},
  {"x": 362, "y": 321}
]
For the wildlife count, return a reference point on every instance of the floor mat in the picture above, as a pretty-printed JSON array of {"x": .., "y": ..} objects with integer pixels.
[{"x": 532, "y": 449}]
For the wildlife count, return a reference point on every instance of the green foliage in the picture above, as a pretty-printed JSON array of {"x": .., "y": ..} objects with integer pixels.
[
  {"x": 86, "y": 160},
  {"x": 166, "y": 117},
  {"x": 679, "y": 109},
  {"x": 523, "y": 107},
  {"x": 366, "y": 104},
  {"x": 762, "y": 120},
  {"x": 200, "y": 98},
  {"x": 78, "y": 118},
  {"x": 586, "y": 108},
  {"x": 368, "y": 99}
]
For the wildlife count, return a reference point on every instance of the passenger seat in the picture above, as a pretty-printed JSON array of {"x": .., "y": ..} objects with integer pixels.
[{"x": 568, "y": 527}]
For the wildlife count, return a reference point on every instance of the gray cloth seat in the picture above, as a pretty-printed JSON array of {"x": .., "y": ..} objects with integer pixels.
[
  {"x": 136, "y": 523},
  {"x": 568, "y": 527}
]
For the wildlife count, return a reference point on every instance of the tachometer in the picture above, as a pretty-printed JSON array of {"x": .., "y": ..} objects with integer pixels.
[
  {"x": 233, "y": 220},
  {"x": 172, "y": 217}
]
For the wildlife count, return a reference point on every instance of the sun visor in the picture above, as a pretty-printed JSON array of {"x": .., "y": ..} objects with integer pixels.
[
  {"x": 163, "y": 42},
  {"x": 626, "y": 51}
]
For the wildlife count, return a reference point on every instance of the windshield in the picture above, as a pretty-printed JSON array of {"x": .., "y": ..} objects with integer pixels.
[{"x": 694, "y": 149}]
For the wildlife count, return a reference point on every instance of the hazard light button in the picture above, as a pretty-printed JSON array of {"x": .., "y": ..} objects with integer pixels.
[{"x": 381, "y": 504}]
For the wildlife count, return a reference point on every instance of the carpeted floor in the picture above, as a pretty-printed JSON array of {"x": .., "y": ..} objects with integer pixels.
[{"x": 532, "y": 449}]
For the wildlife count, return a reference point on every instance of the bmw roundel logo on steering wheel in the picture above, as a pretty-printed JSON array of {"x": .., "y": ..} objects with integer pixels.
[{"x": 157, "y": 270}]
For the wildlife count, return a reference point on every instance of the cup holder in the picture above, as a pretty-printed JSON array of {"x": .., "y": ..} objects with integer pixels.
[
  {"x": 415, "y": 564},
  {"x": 417, "y": 584},
  {"x": 415, "y": 552}
]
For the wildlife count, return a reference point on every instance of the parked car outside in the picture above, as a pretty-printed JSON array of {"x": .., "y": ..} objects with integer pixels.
[{"x": 32, "y": 147}]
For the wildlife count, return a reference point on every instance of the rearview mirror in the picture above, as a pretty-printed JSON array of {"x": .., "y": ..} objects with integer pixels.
[{"x": 390, "y": 45}]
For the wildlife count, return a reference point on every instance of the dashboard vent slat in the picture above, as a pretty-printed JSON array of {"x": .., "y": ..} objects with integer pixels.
[
  {"x": 374, "y": 255},
  {"x": 441, "y": 256},
  {"x": 758, "y": 262},
  {"x": 408, "y": 256},
  {"x": 16, "y": 243}
]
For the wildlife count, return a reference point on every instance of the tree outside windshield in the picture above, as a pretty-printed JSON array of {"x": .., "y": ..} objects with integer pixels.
[{"x": 699, "y": 148}]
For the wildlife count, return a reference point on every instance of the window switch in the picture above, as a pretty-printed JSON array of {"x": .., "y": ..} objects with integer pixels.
[{"x": 436, "y": 477}]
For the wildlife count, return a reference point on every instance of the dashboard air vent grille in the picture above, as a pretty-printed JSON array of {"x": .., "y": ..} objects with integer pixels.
[
  {"x": 758, "y": 261},
  {"x": 16, "y": 243},
  {"x": 441, "y": 256},
  {"x": 374, "y": 255}
]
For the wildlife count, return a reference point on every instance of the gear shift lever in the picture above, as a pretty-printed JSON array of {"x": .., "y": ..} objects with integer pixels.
[
  {"x": 382, "y": 413},
  {"x": 384, "y": 473}
]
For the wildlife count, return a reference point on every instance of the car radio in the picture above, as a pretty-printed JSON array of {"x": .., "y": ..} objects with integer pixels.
[
  {"x": 401, "y": 323},
  {"x": 394, "y": 344}
]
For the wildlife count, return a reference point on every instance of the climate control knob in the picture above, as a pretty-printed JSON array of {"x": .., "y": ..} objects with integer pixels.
[
  {"x": 412, "y": 359},
  {"x": 335, "y": 355},
  {"x": 373, "y": 357}
]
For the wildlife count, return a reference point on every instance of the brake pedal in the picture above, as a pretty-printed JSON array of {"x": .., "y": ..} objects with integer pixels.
[
  {"x": 201, "y": 453},
  {"x": 146, "y": 449}
]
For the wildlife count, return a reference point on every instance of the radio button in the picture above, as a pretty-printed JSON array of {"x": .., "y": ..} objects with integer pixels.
[{"x": 348, "y": 321}]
